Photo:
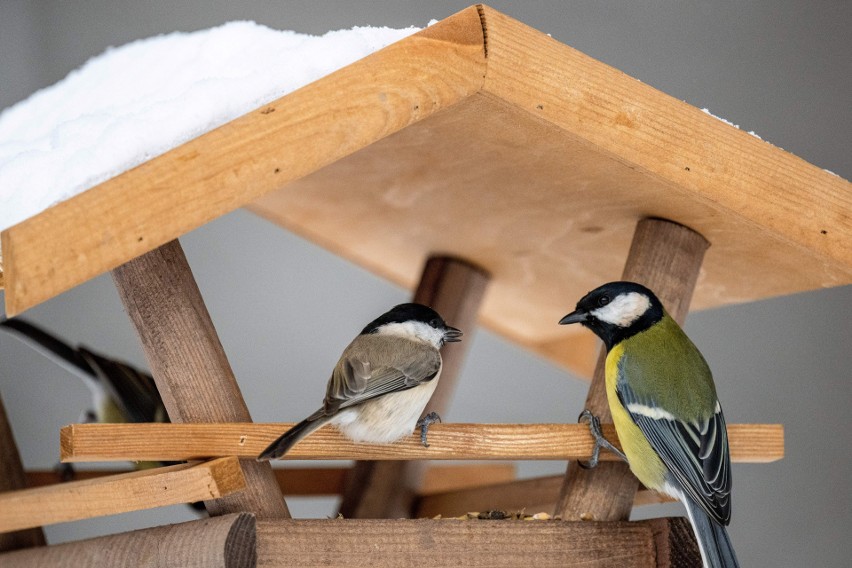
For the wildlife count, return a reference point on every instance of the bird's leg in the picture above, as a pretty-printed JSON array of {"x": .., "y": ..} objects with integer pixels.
[
  {"x": 600, "y": 440},
  {"x": 424, "y": 423}
]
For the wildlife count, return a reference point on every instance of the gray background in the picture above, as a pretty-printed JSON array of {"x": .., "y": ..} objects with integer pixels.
[{"x": 284, "y": 308}]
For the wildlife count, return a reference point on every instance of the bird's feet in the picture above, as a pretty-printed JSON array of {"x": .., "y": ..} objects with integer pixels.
[
  {"x": 65, "y": 471},
  {"x": 600, "y": 440},
  {"x": 424, "y": 423}
]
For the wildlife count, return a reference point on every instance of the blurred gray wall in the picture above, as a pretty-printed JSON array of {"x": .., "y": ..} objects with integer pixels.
[{"x": 284, "y": 308}]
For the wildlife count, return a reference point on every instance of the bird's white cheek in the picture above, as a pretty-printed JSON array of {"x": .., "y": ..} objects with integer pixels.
[{"x": 388, "y": 418}]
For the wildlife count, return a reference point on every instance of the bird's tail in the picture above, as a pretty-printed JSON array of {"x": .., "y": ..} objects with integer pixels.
[
  {"x": 716, "y": 549},
  {"x": 289, "y": 438}
]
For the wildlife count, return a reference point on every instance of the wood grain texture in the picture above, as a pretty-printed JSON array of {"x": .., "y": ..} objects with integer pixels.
[
  {"x": 188, "y": 362},
  {"x": 227, "y": 541},
  {"x": 752, "y": 443},
  {"x": 675, "y": 543},
  {"x": 665, "y": 257},
  {"x": 145, "y": 489},
  {"x": 325, "y": 481},
  {"x": 425, "y": 543},
  {"x": 13, "y": 478},
  {"x": 535, "y": 495},
  {"x": 382, "y": 490},
  {"x": 170, "y": 195}
]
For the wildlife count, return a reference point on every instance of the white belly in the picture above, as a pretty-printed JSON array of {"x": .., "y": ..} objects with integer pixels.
[{"x": 387, "y": 418}]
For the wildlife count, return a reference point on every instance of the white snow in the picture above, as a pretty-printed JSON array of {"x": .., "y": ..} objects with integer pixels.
[
  {"x": 729, "y": 123},
  {"x": 137, "y": 101}
]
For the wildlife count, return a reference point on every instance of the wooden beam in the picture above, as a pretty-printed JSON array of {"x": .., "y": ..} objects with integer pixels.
[
  {"x": 533, "y": 495},
  {"x": 453, "y": 288},
  {"x": 188, "y": 362},
  {"x": 12, "y": 478},
  {"x": 427, "y": 543},
  {"x": 176, "y": 442},
  {"x": 227, "y": 541},
  {"x": 666, "y": 257},
  {"x": 144, "y": 489},
  {"x": 323, "y": 481},
  {"x": 675, "y": 543}
]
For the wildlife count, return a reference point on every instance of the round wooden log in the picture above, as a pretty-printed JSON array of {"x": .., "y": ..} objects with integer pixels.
[
  {"x": 189, "y": 364},
  {"x": 12, "y": 477},
  {"x": 228, "y": 541},
  {"x": 665, "y": 257}
]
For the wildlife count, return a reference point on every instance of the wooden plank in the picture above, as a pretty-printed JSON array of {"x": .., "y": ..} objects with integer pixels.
[
  {"x": 145, "y": 489},
  {"x": 675, "y": 543},
  {"x": 12, "y": 478},
  {"x": 166, "y": 197},
  {"x": 666, "y": 257},
  {"x": 386, "y": 489},
  {"x": 188, "y": 362},
  {"x": 322, "y": 481},
  {"x": 751, "y": 443},
  {"x": 425, "y": 543},
  {"x": 535, "y": 495},
  {"x": 227, "y": 541}
]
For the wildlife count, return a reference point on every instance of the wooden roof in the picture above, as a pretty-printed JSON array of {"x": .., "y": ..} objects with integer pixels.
[{"x": 482, "y": 138}]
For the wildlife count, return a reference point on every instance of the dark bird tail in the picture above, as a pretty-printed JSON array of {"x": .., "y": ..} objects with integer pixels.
[
  {"x": 716, "y": 549},
  {"x": 292, "y": 436}
]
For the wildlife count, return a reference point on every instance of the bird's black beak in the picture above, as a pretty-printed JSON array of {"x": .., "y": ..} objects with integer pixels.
[
  {"x": 451, "y": 334},
  {"x": 577, "y": 316}
]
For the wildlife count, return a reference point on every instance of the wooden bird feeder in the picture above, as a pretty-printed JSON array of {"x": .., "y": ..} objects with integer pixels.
[{"x": 497, "y": 158}]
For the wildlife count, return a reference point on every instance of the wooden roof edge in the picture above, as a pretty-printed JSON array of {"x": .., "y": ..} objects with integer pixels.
[
  {"x": 688, "y": 148},
  {"x": 228, "y": 167}
]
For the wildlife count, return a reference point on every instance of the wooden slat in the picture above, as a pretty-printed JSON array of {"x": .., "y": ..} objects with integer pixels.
[
  {"x": 12, "y": 478},
  {"x": 228, "y": 541},
  {"x": 386, "y": 489},
  {"x": 188, "y": 363},
  {"x": 753, "y": 443},
  {"x": 535, "y": 495},
  {"x": 320, "y": 481},
  {"x": 226, "y": 168},
  {"x": 666, "y": 257},
  {"x": 426, "y": 543},
  {"x": 146, "y": 489}
]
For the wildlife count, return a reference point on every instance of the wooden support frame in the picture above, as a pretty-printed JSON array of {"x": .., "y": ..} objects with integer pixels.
[
  {"x": 427, "y": 543},
  {"x": 177, "y": 442},
  {"x": 454, "y": 288},
  {"x": 188, "y": 362},
  {"x": 667, "y": 258},
  {"x": 227, "y": 541},
  {"x": 134, "y": 491},
  {"x": 13, "y": 478}
]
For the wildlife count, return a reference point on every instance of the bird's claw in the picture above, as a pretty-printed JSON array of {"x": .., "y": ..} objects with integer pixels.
[
  {"x": 600, "y": 440},
  {"x": 65, "y": 471},
  {"x": 424, "y": 423}
]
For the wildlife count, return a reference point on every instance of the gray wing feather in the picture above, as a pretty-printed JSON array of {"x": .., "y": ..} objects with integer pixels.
[{"x": 695, "y": 453}]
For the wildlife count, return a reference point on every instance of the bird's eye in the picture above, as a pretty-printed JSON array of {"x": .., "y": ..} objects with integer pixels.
[
  {"x": 603, "y": 300},
  {"x": 435, "y": 323}
]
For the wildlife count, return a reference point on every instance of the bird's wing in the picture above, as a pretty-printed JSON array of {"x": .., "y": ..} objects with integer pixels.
[
  {"x": 133, "y": 391},
  {"x": 49, "y": 345},
  {"x": 696, "y": 452},
  {"x": 356, "y": 380}
]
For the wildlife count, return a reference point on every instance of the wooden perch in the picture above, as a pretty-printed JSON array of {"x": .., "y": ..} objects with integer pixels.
[
  {"x": 228, "y": 541},
  {"x": 427, "y": 543},
  {"x": 178, "y": 442},
  {"x": 321, "y": 481},
  {"x": 146, "y": 489}
]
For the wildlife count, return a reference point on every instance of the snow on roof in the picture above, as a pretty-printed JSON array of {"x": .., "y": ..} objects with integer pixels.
[{"x": 140, "y": 100}]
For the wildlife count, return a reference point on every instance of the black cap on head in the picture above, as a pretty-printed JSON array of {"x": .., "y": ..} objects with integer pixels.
[{"x": 412, "y": 312}]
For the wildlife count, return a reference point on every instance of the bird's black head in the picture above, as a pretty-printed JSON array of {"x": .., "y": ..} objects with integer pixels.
[
  {"x": 616, "y": 311},
  {"x": 414, "y": 320}
]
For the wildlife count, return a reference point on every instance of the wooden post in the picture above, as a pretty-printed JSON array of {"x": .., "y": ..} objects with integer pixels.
[
  {"x": 666, "y": 257},
  {"x": 12, "y": 477},
  {"x": 387, "y": 489},
  {"x": 188, "y": 363},
  {"x": 220, "y": 542}
]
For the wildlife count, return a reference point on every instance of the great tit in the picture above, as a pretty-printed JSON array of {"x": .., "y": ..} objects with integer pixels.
[
  {"x": 382, "y": 382},
  {"x": 664, "y": 407},
  {"x": 120, "y": 393}
]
